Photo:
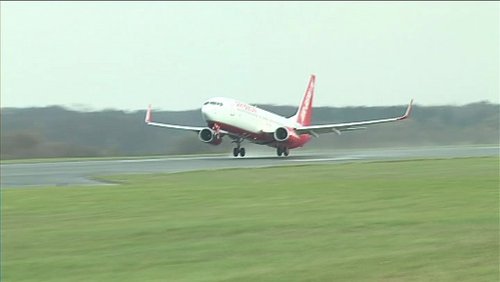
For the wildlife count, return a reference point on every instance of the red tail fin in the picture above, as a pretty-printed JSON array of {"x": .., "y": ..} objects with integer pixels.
[{"x": 304, "y": 113}]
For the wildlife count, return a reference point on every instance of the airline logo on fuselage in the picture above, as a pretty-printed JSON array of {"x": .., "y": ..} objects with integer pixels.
[{"x": 246, "y": 107}]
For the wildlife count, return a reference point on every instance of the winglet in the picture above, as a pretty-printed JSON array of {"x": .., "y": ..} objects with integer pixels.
[
  {"x": 408, "y": 111},
  {"x": 149, "y": 117}
]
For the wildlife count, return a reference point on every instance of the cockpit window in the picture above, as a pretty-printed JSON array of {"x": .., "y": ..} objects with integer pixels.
[{"x": 213, "y": 103}]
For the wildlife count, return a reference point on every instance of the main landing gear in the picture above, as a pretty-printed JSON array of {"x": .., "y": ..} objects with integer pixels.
[
  {"x": 282, "y": 151},
  {"x": 238, "y": 150}
]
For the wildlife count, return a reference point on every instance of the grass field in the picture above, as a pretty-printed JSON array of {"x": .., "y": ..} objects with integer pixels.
[{"x": 425, "y": 220}]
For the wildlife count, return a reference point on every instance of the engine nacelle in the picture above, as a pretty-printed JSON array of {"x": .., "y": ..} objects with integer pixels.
[
  {"x": 208, "y": 135},
  {"x": 281, "y": 134}
]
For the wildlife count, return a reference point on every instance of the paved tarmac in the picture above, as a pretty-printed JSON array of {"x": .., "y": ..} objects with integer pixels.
[{"x": 70, "y": 173}]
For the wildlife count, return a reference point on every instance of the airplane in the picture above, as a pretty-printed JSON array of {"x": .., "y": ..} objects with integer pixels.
[{"x": 241, "y": 121}]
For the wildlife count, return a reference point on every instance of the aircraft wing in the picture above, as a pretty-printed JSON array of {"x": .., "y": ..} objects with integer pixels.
[
  {"x": 348, "y": 126},
  {"x": 149, "y": 121},
  {"x": 175, "y": 126}
]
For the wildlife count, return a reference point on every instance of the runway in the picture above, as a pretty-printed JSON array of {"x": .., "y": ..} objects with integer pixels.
[{"x": 70, "y": 173}]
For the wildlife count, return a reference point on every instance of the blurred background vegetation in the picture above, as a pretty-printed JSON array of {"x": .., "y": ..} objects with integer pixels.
[{"x": 59, "y": 132}]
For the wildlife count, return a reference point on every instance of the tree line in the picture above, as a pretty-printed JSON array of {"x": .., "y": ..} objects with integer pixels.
[{"x": 59, "y": 132}]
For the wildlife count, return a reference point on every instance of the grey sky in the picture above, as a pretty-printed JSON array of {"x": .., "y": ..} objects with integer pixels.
[{"x": 174, "y": 55}]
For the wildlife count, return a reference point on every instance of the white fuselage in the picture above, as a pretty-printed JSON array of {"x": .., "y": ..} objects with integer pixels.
[{"x": 233, "y": 115}]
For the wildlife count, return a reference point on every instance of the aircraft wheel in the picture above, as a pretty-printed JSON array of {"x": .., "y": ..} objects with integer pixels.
[
  {"x": 286, "y": 151},
  {"x": 236, "y": 151},
  {"x": 242, "y": 152},
  {"x": 279, "y": 151}
]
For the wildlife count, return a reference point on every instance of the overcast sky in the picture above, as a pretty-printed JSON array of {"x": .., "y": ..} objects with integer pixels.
[{"x": 175, "y": 55}]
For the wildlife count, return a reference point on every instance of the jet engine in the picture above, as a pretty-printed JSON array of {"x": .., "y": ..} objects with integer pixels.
[
  {"x": 281, "y": 134},
  {"x": 209, "y": 136}
]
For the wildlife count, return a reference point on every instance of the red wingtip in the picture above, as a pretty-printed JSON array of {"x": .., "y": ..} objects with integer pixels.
[
  {"x": 408, "y": 110},
  {"x": 148, "y": 115}
]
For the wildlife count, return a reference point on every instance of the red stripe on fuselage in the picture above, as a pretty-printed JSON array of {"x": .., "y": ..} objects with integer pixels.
[{"x": 294, "y": 141}]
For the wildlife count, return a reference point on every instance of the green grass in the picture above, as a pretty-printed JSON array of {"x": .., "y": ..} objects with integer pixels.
[{"x": 425, "y": 220}]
